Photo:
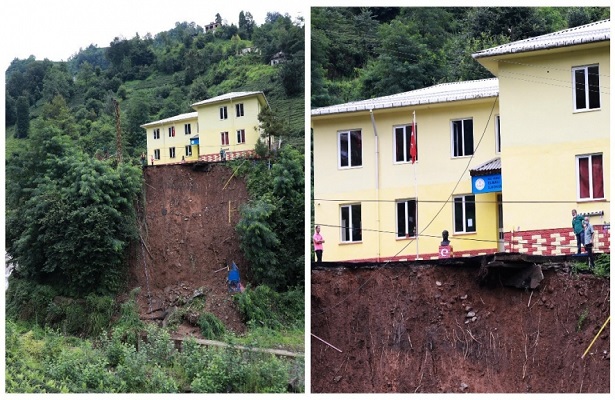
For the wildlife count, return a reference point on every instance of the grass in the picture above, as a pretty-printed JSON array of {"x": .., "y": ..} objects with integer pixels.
[
  {"x": 582, "y": 319},
  {"x": 290, "y": 339}
]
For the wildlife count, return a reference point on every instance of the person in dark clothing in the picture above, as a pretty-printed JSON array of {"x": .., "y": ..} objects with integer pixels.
[{"x": 577, "y": 227}]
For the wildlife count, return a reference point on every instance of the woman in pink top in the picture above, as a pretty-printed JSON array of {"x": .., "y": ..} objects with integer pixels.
[{"x": 318, "y": 241}]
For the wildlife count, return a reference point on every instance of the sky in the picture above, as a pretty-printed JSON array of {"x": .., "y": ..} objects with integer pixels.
[{"x": 58, "y": 29}]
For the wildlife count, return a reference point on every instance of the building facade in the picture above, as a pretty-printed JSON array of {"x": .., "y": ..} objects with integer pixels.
[
  {"x": 498, "y": 163},
  {"x": 221, "y": 128}
]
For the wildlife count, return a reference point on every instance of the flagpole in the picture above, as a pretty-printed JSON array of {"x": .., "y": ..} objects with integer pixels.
[{"x": 416, "y": 187}]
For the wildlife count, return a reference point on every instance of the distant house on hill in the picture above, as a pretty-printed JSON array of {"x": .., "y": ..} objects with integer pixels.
[
  {"x": 224, "y": 127},
  {"x": 212, "y": 26},
  {"x": 278, "y": 58}
]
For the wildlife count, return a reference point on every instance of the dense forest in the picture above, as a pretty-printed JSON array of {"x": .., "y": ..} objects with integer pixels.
[
  {"x": 365, "y": 52},
  {"x": 73, "y": 183}
]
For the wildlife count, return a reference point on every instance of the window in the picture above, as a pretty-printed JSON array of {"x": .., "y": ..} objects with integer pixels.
[
  {"x": 590, "y": 180},
  {"x": 239, "y": 110},
  {"x": 171, "y": 152},
  {"x": 241, "y": 136},
  {"x": 172, "y": 131},
  {"x": 462, "y": 137},
  {"x": 157, "y": 133},
  {"x": 464, "y": 213},
  {"x": 406, "y": 218},
  {"x": 157, "y": 154},
  {"x": 586, "y": 87},
  {"x": 350, "y": 149},
  {"x": 188, "y": 150},
  {"x": 187, "y": 129},
  {"x": 498, "y": 143},
  {"x": 403, "y": 138},
  {"x": 351, "y": 223},
  {"x": 223, "y": 113},
  {"x": 224, "y": 138}
]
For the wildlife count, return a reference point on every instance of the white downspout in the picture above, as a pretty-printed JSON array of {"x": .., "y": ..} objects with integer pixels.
[{"x": 371, "y": 113}]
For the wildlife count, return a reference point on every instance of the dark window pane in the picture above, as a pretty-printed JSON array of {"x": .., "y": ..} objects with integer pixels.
[
  {"x": 345, "y": 224},
  {"x": 458, "y": 214},
  {"x": 356, "y": 151},
  {"x": 579, "y": 87},
  {"x": 468, "y": 137},
  {"x": 344, "y": 149},
  {"x": 457, "y": 139},
  {"x": 356, "y": 223},
  {"x": 593, "y": 80},
  {"x": 399, "y": 144},
  {"x": 401, "y": 219}
]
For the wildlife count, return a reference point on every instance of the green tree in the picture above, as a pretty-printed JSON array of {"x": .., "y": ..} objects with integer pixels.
[
  {"x": 69, "y": 217},
  {"x": 22, "y": 117},
  {"x": 259, "y": 242}
]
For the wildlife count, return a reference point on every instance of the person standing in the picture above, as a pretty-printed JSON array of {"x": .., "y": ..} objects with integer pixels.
[
  {"x": 577, "y": 227},
  {"x": 588, "y": 238},
  {"x": 318, "y": 247}
]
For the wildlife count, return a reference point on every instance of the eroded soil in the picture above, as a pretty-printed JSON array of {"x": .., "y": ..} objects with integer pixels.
[
  {"x": 436, "y": 329},
  {"x": 188, "y": 223}
]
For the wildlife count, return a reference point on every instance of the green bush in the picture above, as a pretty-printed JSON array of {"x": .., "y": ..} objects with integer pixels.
[
  {"x": 211, "y": 326},
  {"x": 266, "y": 308},
  {"x": 603, "y": 265}
]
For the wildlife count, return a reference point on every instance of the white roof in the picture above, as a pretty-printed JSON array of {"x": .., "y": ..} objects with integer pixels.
[
  {"x": 594, "y": 32},
  {"x": 445, "y": 92},
  {"x": 226, "y": 96},
  {"x": 180, "y": 117}
]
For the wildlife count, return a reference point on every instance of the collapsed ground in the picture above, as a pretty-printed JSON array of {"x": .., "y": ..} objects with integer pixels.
[
  {"x": 436, "y": 329},
  {"x": 187, "y": 226}
]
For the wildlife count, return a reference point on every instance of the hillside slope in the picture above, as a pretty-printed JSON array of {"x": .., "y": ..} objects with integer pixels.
[
  {"x": 188, "y": 238},
  {"x": 409, "y": 330}
]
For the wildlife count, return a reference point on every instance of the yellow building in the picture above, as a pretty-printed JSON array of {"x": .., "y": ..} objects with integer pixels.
[
  {"x": 499, "y": 163},
  {"x": 223, "y": 127}
]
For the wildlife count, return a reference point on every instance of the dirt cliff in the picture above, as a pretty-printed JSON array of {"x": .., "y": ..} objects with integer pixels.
[
  {"x": 188, "y": 220},
  {"x": 434, "y": 329}
]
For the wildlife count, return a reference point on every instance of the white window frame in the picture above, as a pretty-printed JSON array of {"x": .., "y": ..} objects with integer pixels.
[
  {"x": 239, "y": 110},
  {"x": 188, "y": 150},
  {"x": 171, "y": 152},
  {"x": 172, "y": 131},
  {"x": 156, "y": 154},
  {"x": 224, "y": 138},
  {"x": 352, "y": 208},
  {"x": 590, "y": 177},
  {"x": 586, "y": 87},
  {"x": 406, "y": 227},
  {"x": 156, "y": 133},
  {"x": 187, "y": 129},
  {"x": 469, "y": 226},
  {"x": 463, "y": 136},
  {"x": 349, "y": 155},
  {"x": 223, "y": 113},
  {"x": 241, "y": 136},
  {"x": 407, "y": 134}
]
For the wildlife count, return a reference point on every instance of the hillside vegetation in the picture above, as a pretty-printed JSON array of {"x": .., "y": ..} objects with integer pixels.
[
  {"x": 364, "y": 52},
  {"x": 73, "y": 186}
]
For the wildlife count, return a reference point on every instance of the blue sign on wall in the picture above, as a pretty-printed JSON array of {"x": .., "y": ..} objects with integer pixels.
[{"x": 487, "y": 184}]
